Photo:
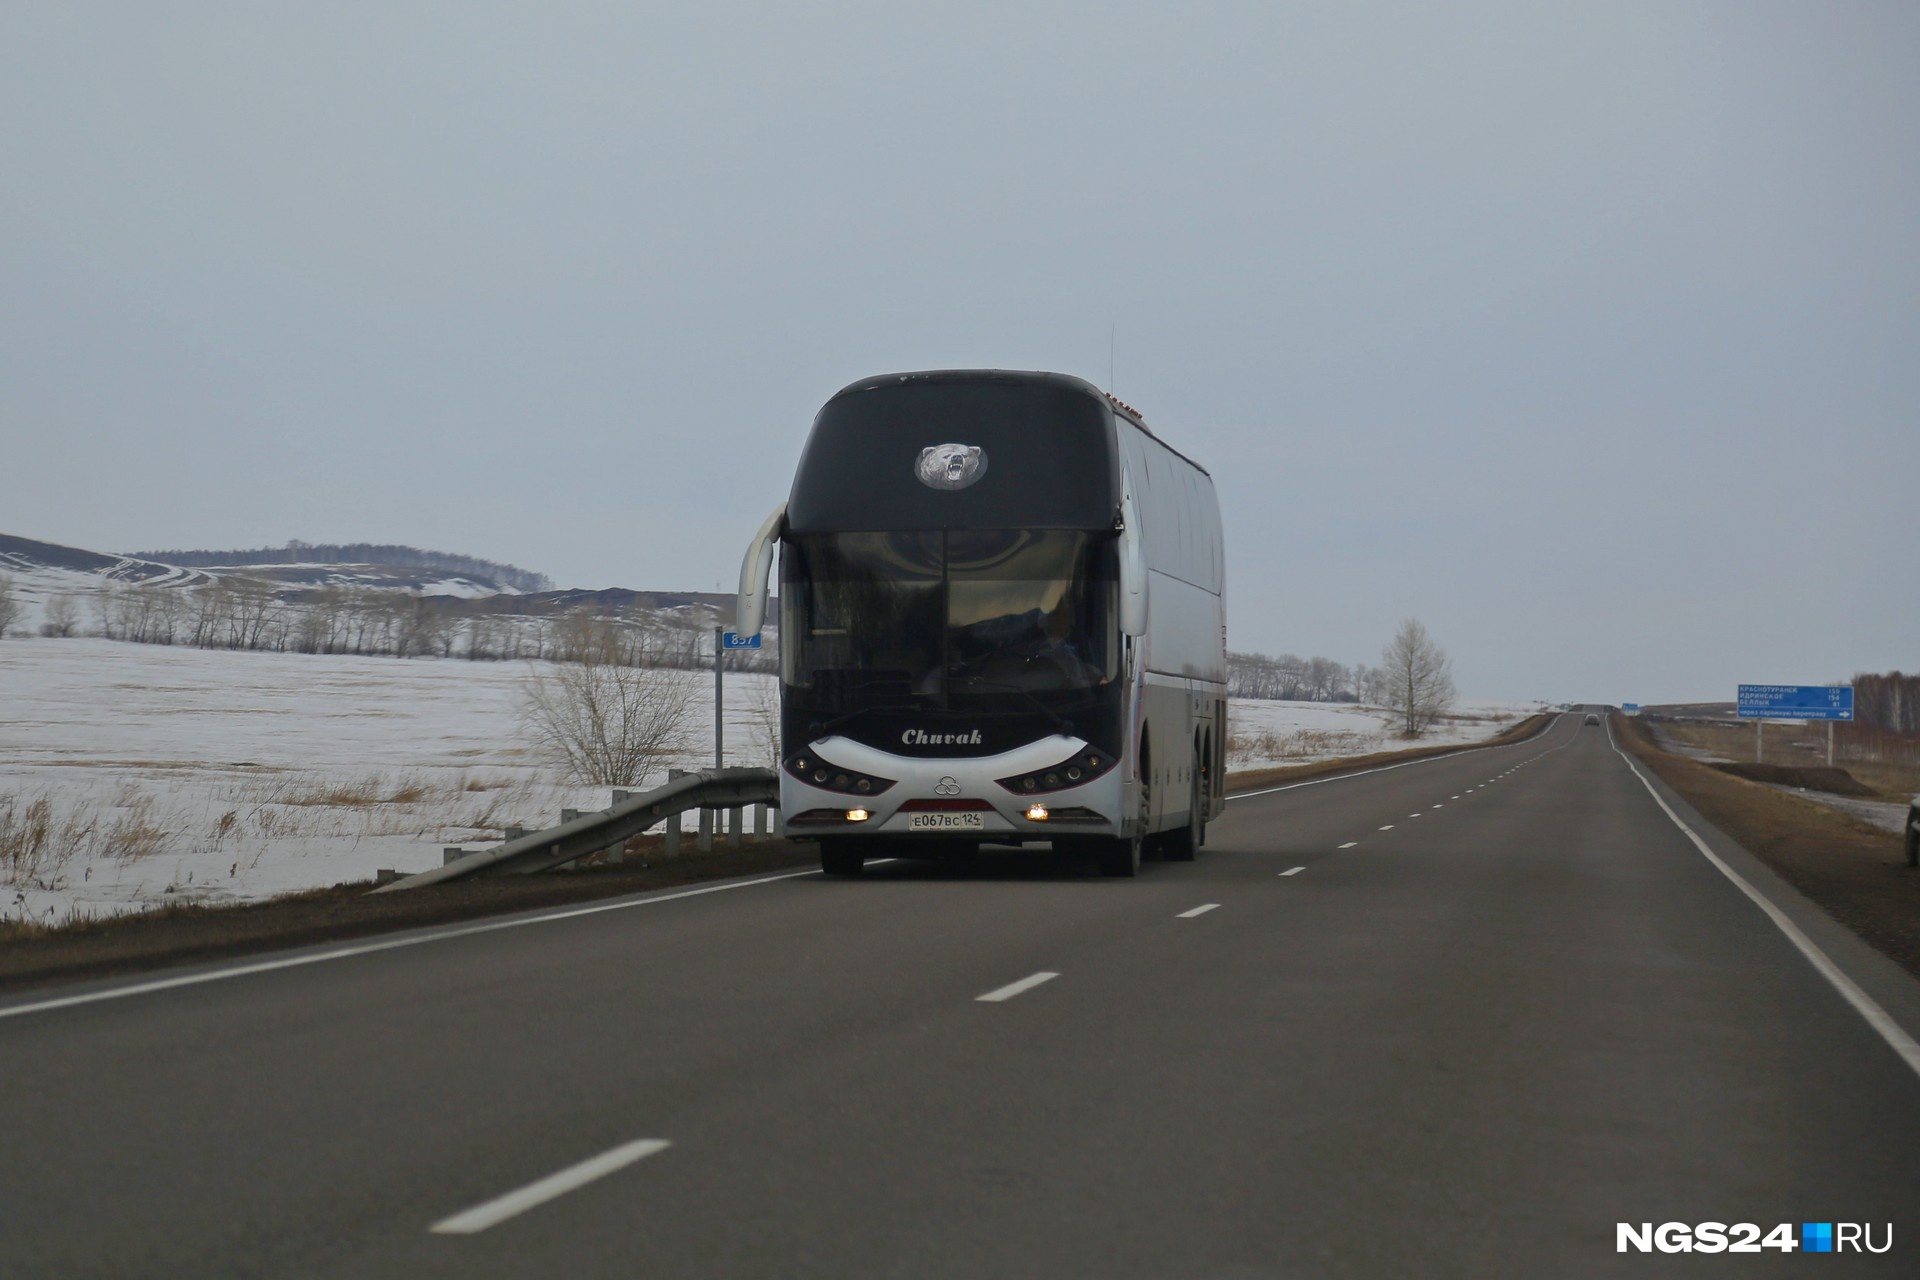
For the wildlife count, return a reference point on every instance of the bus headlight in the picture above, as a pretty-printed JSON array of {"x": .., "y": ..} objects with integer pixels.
[
  {"x": 1083, "y": 768},
  {"x": 815, "y": 772}
]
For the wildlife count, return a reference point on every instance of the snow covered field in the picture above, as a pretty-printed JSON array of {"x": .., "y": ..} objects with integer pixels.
[
  {"x": 169, "y": 774},
  {"x": 1261, "y": 733},
  {"x": 160, "y": 774}
]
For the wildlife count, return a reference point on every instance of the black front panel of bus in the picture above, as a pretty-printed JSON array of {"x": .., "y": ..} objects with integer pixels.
[
  {"x": 1046, "y": 458},
  {"x": 993, "y": 725}
]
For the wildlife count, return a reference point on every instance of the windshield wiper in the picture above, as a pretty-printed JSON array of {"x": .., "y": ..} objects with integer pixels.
[
  {"x": 817, "y": 730},
  {"x": 1060, "y": 723}
]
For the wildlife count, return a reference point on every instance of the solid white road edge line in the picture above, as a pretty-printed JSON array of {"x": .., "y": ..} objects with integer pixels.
[
  {"x": 1865, "y": 1005},
  {"x": 1197, "y": 911},
  {"x": 370, "y": 948},
  {"x": 1013, "y": 989},
  {"x": 1349, "y": 844},
  {"x": 1294, "y": 871},
  {"x": 551, "y": 1187},
  {"x": 1342, "y": 777}
]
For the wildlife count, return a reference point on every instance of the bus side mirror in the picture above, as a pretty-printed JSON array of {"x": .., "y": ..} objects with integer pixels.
[
  {"x": 1133, "y": 568},
  {"x": 751, "y": 609}
]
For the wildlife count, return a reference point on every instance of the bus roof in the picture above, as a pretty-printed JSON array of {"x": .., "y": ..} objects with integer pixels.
[{"x": 1063, "y": 381}]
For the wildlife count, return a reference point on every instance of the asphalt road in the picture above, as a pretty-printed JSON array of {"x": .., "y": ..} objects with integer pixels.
[{"x": 1455, "y": 1018}]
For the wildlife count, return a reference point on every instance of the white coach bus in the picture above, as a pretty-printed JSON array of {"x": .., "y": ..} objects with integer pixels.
[{"x": 1001, "y": 620}]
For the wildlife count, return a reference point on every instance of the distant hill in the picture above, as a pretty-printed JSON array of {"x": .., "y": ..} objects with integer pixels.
[
  {"x": 306, "y": 575},
  {"x": 319, "y": 564}
]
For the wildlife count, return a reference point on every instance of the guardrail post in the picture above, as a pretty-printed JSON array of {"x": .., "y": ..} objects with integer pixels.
[
  {"x": 514, "y": 833},
  {"x": 451, "y": 854},
  {"x": 759, "y": 822},
  {"x": 568, "y": 815},
  {"x": 670, "y": 839},
  {"x": 733, "y": 827},
  {"x": 706, "y": 830}
]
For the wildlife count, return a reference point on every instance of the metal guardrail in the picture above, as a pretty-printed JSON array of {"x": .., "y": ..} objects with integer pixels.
[{"x": 590, "y": 833}]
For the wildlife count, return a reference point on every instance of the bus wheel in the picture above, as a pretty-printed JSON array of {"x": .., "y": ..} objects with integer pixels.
[
  {"x": 841, "y": 858},
  {"x": 1184, "y": 845}
]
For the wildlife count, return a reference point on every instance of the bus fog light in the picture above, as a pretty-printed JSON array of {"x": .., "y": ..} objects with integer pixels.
[
  {"x": 1036, "y": 813},
  {"x": 857, "y": 815}
]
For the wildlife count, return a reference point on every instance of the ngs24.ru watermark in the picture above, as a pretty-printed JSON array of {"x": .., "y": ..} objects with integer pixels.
[{"x": 1746, "y": 1237}]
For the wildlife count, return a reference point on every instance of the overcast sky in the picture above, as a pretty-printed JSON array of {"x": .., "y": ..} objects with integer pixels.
[{"x": 1588, "y": 333}]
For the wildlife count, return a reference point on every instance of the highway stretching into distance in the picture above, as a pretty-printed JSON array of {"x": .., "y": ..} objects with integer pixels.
[{"x": 1453, "y": 1018}]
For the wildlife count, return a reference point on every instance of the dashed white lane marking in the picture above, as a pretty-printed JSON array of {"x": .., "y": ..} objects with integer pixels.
[
  {"x": 1413, "y": 815},
  {"x": 1197, "y": 911},
  {"x": 1441, "y": 804},
  {"x": 1294, "y": 871},
  {"x": 1013, "y": 989},
  {"x": 1388, "y": 827},
  {"x": 1348, "y": 845},
  {"x": 551, "y": 1187}
]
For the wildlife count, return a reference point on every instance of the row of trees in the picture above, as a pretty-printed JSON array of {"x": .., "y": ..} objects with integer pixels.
[
  {"x": 298, "y": 552},
  {"x": 1294, "y": 679},
  {"x": 1889, "y": 701},
  {"x": 1413, "y": 679},
  {"x": 249, "y": 613}
]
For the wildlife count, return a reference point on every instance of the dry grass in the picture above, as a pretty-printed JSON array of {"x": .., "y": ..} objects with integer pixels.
[
  {"x": 134, "y": 831},
  {"x": 37, "y": 841},
  {"x": 1886, "y": 763},
  {"x": 1302, "y": 744},
  {"x": 40, "y": 838},
  {"x": 359, "y": 793}
]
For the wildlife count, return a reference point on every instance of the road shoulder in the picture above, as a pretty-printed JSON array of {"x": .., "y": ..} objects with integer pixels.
[{"x": 1841, "y": 882}]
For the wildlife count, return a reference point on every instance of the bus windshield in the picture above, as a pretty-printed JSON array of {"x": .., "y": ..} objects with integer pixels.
[{"x": 948, "y": 618}]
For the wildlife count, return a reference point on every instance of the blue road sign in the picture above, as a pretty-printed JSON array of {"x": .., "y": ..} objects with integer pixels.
[
  {"x": 734, "y": 640},
  {"x": 1796, "y": 702},
  {"x": 1629, "y": 706}
]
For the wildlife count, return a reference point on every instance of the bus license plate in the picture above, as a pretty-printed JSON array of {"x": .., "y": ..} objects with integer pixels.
[{"x": 946, "y": 822}]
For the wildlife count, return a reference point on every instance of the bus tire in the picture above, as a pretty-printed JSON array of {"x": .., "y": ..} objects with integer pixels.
[
  {"x": 841, "y": 858},
  {"x": 1184, "y": 845}
]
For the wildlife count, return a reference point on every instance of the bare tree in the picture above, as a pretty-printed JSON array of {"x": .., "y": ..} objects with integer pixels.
[
  {"x": 1419, "y": 682},
  {"x": 1370, "y": 684},
  {"x": 256, "y": 610},
  {"x": 63, "y": 615},
  {"x": 212, "y": 607},
  {"x": 10, "y": 605},
  {"x": 763, "y": 724},
  {"x": 601, "y": 717}
]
